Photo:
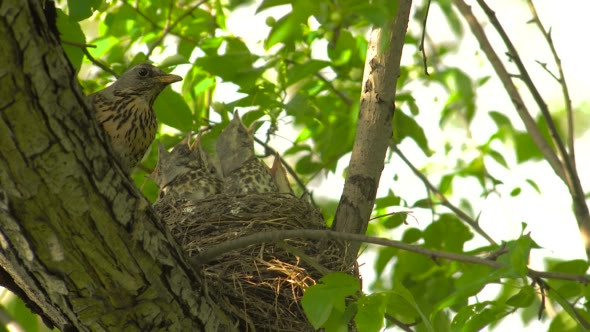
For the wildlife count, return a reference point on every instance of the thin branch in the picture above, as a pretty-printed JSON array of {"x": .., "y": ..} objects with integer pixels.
[
  {"x": 100, "y": 64},
  {"x": 339, "y": 93},
  {"x": 525, "y": 77},
  {"x": 169, "y": 26},
  {"x": 156, "y": 25},
  {"x": 421, "y": 46},
  {"x": 567, "y": 170},
  {"x": 444, "y": 201},
  {"x": 329, "y": 84},
  {"x": 398, "y": 323},
  {"x": 325, "y": 235},
  {"x": 561, "y": 80},
  {"x": 511, "y": 89}
]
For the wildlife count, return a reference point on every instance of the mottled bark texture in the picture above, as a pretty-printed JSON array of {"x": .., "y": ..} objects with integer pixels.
[
  {"x": 374, "y": 128},
  {"x": 76, "y": 235}
]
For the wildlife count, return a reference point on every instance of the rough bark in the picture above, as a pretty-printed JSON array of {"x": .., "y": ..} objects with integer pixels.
[
  {"x": 76, "y": 235},
  {"x": 374, "y": 128}
]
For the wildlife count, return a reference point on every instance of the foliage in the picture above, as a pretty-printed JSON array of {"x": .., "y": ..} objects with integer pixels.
[{"x": 307, "y": 73}]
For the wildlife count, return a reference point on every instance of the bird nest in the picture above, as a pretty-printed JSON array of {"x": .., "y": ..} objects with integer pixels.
[{"x": 260, "y": 284}]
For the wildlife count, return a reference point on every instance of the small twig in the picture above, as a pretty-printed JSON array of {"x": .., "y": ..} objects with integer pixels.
[
  {"x": 84, "y": 48},
  {"x": 396, "y": 322},
  {"x": 544, "y": 66},
  {"x": 325, "y": 235},
  {"x": 168, "y": 26},
  {"x": 80, "y": 45},
  {"x": 570, "y": 176},
  {"x": 421, "y": 46},
  {"x": 331, "y": 86},
  {"x": 156, "y": 25},
  {"x": 444, "y": 201},
  {"x": 561, "y": 80},
  {"x": 511, "y": 90}
]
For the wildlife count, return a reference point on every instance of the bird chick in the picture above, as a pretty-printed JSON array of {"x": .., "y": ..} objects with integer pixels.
[
  {"x": 125, "y": 111},
  {"x": 186, "y": 173},
  {"x": 242, "y": 171},
  {"x": 279, "y": 175}
]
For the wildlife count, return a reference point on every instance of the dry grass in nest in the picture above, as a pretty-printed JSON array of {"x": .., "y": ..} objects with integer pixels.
[{"x": 260, "y": 284}]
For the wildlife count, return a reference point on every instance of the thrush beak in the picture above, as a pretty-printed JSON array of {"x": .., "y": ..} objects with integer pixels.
[{"x": 168, "y": 78}]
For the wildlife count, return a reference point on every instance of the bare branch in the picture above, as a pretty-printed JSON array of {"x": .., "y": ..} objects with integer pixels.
[
  {"x": 444, "y": 201},
  {"x": 169, "y": 26},
  {"x": 421, "y": 46},
  {"x": 563, "y": 168},
  {"x": 324, "y": 235},
  {"x": 100, "y": 64},
  {"x": 561, "y": 80},
  {"x": 511, "y": 89}
]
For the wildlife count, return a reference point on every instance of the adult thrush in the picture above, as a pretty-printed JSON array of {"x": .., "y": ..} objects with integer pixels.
[
  {"x": 242, "y": 171},
  {"x": 125, "y": 112},
  {"x": 186, "y": 172}
]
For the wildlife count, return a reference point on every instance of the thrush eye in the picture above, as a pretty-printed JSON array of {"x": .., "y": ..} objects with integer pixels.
[{"x": 143, "y": 72}]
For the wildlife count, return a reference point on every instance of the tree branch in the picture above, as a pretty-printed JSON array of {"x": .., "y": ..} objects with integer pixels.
[
  {"x": 510, "y": 88},
  {"x": 374, "y": 128},
  {"x": 444, "y": 201},
  {"x": 563, "y": 168},
  {"x": 324, "y": 235},
  {"x": 169, "y": 26},
  {"x": 560, "y": 80}
]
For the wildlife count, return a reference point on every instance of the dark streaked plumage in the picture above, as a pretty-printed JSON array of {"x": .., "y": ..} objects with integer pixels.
[
  {"x": 124, "y": 110},
  {"x": 186, "y": 173},
  {"x": 242, "y": 171}
]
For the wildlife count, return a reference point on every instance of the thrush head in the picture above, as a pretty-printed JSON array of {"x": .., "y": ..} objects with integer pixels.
[
  {"x": 234, "y": 146},
  {"x": 185, "y": 172},
  {"x": 124, "y": 110}
]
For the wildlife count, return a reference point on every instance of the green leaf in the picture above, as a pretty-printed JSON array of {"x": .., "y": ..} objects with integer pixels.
[
  {"x": 469, "y": 284},
  {"x": 563, "y": 323},
  {"x": 526, "y": 149},
  {"x": 400, "y": 290},
  {"x": 172, "y": 110},
  {"x": 405, "y": 126},
  {"x": 534, "y": 185},
  {"x": 81, "y": 9},
  {"x": 498, "y": 157},
  {"x": 447, "y": 233},
  {"x": 523, "y": 298},
  {"x": 307, "y": 70},
  {"x": 287, "y": 29},
  {"x": 371, "y": 312},
  {"x": 306, "y": 166},
  {"x": 320, "y": 300},
  {"x": 271, "y": 3},
  {"x": 515, "y": 192},
  {"x": 482, "y": 315},
  {"x": 173, "y": 60},
  {"x": 71, "y": 31},
  {"x": 568, "y": 308}
]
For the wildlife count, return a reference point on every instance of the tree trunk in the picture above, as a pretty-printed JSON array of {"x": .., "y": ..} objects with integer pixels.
[
  {"x": 374, "y": 127},
  {"x": 76, "y": 235}
]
